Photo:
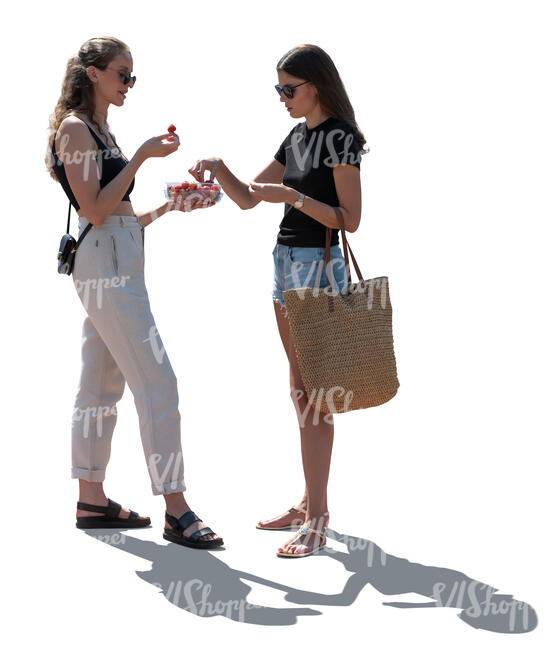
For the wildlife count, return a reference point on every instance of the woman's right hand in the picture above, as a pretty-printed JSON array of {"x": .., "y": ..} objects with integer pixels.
[
  {"x": 200, "y": 166},
  {"x": 157, "y": 148}
]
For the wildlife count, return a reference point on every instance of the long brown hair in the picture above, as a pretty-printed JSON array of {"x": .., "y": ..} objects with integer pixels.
[
  {"x": 77, "y": 89},
  {"x": 312, "y": 63}
]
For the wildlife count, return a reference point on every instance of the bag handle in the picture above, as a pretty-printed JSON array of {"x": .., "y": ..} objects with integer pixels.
[
  {"x": 327, "y": 255},
  {"x": 346, "y": 246}
]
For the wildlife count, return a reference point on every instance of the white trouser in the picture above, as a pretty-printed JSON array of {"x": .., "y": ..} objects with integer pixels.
[{"x": 121, "y": 343}]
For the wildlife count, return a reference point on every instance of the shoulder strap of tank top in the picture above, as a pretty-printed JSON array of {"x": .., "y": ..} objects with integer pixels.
[
  {"x": 96, "y": 137},
  {"x": 93, "y": 135},
  {"x": 123, "y": 157},
  {"x": 92, "y": 132}
]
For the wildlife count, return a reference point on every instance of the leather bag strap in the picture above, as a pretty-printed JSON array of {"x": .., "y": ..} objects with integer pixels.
[
  {"x": 82, "y": 236},
  {"x": 347, "y": 249},
  {"x": 348, "y": 252},
  {"x": 68, "y": 217}
]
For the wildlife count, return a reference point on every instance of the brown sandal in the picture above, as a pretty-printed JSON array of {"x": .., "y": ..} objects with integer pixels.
[{"x": 289, "y": 527}]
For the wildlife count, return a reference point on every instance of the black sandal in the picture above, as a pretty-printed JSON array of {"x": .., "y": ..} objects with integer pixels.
[
  {"x": 111, "y": 518},
  {"x": 179, "y": 525}
]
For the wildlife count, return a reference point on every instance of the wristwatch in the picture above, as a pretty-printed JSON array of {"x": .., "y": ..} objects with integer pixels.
[{"x": 299, "y": 201}]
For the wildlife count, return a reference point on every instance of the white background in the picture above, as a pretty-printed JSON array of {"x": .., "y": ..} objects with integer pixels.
[{"x": 456, "y": 102}]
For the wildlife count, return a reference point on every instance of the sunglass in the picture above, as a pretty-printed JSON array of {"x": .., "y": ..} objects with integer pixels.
[
  {"x": 288, "y": 90},
  {"x": 125, "y": 76}
]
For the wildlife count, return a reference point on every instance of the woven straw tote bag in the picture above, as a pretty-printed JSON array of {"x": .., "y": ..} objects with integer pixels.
[{"x": 343, "y": 341}]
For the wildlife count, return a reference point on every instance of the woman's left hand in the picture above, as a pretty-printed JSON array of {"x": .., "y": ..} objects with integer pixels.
[
  {"x": 189, "y": 203},
  {"x": 271, "y": 192}
]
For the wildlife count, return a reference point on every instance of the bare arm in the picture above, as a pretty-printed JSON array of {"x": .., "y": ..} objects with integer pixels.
[
  {"x": 77, "y": 151},
  {"x": 146, "y": 218},
  {"x": 235, "y": 189},
  {"x": 349, "y": 193}
]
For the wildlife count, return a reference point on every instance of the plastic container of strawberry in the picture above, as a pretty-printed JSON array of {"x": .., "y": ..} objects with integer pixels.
[{"x": 195, "y": 189}]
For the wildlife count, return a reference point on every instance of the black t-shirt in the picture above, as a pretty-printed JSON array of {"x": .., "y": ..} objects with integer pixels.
[{"x": 309, "y": 156}]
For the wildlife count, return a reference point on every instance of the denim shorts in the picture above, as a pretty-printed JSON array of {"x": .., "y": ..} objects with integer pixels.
[{"x": 296, "y": 267}]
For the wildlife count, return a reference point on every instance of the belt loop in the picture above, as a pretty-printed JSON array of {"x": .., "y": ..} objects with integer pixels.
[{"x": 121, "y": 221}]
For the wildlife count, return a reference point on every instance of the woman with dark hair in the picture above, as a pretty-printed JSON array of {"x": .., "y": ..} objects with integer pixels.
[
  {"x": 316, "y": 168},
  {"x": 120, "y": 341}
]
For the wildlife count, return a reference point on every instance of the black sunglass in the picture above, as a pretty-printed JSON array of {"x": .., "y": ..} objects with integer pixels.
[
  {"x": 125, "y": 76},
  {"x": 288, "y": 90}
]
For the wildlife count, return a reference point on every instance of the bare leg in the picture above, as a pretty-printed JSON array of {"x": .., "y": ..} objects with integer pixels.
[
  {"x": 316, "y": 439},
  {"x": 290, "y": 517}
]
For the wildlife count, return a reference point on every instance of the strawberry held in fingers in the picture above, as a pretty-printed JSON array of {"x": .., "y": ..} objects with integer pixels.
[{"x": 172, "y": 130}]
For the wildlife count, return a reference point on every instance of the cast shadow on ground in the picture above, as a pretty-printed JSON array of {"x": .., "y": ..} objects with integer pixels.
[{"x": 199, "y": 582}]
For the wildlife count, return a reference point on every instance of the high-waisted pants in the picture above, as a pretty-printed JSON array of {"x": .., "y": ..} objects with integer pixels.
[{"x": 121, "y": 343}]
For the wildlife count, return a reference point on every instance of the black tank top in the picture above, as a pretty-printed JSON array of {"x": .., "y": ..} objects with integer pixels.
[{"x": 109, "y": 164}]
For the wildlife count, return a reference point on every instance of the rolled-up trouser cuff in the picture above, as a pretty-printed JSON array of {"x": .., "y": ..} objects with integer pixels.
[
  {"x": 168, "y": 488},
  {"x": 93, "y": 475}
]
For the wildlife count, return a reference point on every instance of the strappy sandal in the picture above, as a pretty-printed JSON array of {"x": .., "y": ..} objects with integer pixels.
[
  {"x": 304, "y": 530},
  {"x": 290, "y": 527},
  {"x": 184, "y": 521},
  {"x": 111, "y": 518}
]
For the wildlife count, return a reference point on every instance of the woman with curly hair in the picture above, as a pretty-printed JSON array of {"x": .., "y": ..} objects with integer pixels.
[{"x": 120, "y": 341}]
